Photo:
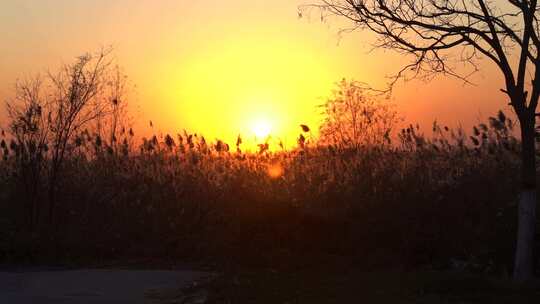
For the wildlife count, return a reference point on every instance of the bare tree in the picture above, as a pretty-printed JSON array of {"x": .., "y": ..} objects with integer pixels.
[
  {"x": 30, "y": 134},
  {"x": 438, "y": 33},
  {"x": 112, "y": 120},
  {"x": 353, "y": 117},
  {"x": 47, "y": 113}
]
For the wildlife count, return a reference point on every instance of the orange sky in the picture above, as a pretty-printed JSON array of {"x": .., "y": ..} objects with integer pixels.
[{"x": 224, "y": 67}]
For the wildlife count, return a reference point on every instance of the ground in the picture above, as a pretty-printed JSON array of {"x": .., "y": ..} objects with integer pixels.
[
  {"x": 351, "y": 286},
  {"x": 313, "y": 285},
  {"x": 89, "y": 286}
]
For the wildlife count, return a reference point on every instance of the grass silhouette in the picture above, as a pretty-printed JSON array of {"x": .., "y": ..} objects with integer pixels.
[{"x": 446, "y": 200}]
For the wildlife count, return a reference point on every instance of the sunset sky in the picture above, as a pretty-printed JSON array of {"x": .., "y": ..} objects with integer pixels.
[{"x": 225, "y": 67}]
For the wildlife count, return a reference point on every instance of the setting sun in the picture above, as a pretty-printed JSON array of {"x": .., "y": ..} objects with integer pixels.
[{"x": 261, "y": 128}]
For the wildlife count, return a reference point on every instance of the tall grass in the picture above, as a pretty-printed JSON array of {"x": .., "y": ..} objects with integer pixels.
[{"x": 425, "y": 199}]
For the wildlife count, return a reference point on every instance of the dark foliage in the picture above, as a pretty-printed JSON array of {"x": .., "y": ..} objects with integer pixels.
[{"x": 444, "y": 201}]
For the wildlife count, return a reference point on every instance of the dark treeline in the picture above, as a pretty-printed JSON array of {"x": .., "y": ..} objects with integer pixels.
[{"x": 76, "y": 183}]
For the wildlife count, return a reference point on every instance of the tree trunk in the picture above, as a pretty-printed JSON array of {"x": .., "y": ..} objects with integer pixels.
[
  {"x": 524, "y": 259},
  {"x": 53, "y": 177}
]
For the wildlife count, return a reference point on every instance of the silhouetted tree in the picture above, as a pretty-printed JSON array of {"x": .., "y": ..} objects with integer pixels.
[
  {"x": 436, "y": 32},
  {"x": 355, "y": 118},
  {"x": 48, "y": 112},
  {"x": 112, "y": 123},
  {"x": 29, "y": 132}
]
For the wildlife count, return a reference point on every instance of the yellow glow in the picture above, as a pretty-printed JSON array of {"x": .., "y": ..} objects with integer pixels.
[{"x": 251, "y": 86}]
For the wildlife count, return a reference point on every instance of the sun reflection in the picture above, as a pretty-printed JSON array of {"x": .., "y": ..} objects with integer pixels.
[{"x": 275, "y": 170}]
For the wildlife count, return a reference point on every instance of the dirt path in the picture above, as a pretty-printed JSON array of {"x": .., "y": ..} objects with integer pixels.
[{"x": 92, "y": 286}]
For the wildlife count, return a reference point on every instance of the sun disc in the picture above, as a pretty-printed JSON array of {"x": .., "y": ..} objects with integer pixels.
[{"x": 261, "y": 128}]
